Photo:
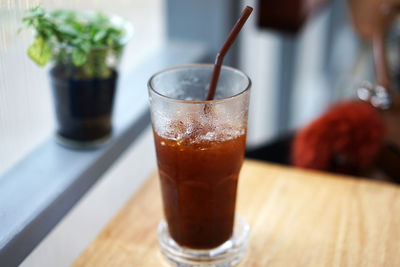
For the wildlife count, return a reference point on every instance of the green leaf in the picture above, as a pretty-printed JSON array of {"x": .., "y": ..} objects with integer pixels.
[
  {"x": 99, "y": 35},
  {"x": 82, "y": 32},
  {"x": 67, "y": 29},
  {"x": 79, "y": 57},
  {"x": 85, "y": 46},
  {"x": 40, "y": 51}
]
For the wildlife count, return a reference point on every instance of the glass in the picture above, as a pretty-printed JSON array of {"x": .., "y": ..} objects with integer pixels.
[{"x": 200, "y": 149}]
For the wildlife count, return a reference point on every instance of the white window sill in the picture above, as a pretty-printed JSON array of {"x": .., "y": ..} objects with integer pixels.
[{"x": 62, "y": 246}]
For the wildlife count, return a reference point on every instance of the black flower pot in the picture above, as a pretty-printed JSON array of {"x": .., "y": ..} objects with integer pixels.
[
  {"x": 83, "y": 108},
  {"x": 84, "y": 49}
]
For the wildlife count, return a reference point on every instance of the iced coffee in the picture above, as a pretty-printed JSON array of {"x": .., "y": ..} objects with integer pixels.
[{"x": 200, "y": 148}]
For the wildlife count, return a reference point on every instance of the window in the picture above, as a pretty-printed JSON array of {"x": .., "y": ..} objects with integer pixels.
[{"x": 26, "y": 104}]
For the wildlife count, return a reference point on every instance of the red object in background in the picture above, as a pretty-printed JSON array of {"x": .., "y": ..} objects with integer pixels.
[
  {"x": 286, "y": 15},
  {"x": 281, "y": 15},
  {"x": 346, "y": 139}
]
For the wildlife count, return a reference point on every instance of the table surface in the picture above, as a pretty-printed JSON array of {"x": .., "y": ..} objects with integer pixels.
[{"x": 297, "y": 218}]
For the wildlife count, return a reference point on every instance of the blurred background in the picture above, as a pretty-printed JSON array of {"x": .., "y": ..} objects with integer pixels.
[{"x": 296, "y": 75}]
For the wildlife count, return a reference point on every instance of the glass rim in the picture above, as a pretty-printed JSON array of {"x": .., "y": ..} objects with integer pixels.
[{"x": 225, "y": 99}]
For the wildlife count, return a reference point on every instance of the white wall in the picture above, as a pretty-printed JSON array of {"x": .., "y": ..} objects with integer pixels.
[{"x": 258, "y": 58}]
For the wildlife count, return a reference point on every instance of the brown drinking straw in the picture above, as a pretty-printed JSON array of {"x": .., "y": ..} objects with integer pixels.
[{"x": 224, "y": 49}]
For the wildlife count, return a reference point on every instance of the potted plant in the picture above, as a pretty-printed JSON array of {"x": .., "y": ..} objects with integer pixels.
[{"x": 84, "y": 49}]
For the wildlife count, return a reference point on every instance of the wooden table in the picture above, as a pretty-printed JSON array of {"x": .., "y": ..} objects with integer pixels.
[{"x": 297, "y": 218}]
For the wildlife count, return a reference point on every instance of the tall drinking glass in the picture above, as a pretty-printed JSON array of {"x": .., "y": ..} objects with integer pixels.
[{"x": 200, "y": 148}]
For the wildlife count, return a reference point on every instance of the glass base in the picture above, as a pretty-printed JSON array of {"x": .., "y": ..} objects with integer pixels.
[
  {"x": 81, "y": 144},
  {"x": 227, "y": 254}
]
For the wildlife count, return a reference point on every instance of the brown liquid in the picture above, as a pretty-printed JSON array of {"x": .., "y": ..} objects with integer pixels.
[{"x": 198, "y": 183}]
